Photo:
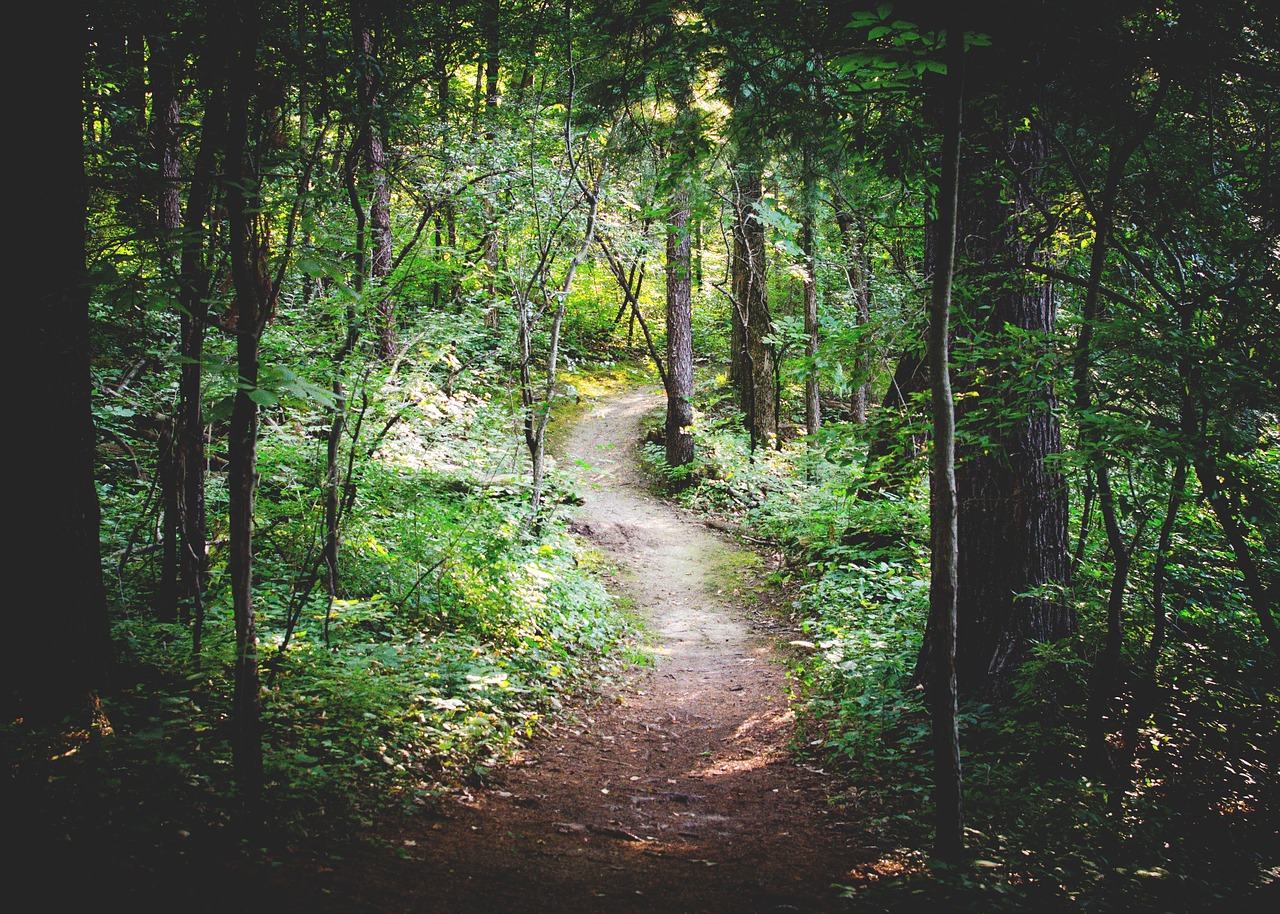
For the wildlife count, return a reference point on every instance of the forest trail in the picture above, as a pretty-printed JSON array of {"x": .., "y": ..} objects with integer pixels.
[{"x": 673, "y": 793}]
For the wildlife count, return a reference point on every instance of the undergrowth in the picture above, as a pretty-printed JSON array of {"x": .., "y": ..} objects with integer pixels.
[
  {"x": 1194, "y": 830},
  {"x": 457, "y": 624}
]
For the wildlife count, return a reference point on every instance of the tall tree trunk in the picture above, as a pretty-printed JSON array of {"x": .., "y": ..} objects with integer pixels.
[
  {"x": 808, "y": 244},
  {"x": 373, "y": 153},
  {"x": 679, "y": 428},
  {"x": 162, "y": 67},
  {"x": 752, "y": 323},
  {"x": 193, "y": 294},
  {"x": 60, "y": 654},
  {"x": 490, "y": 245},
  {"x": 168, "y": 199},
  {"x": 1012, "y": 519},
  {"x": 365, "y": 147},
  {"x": 944, "y": 560},
  {"x": 738, "y": 360},
  {"x": 681, "y": 176},
  {"x": 492, "y": 52},
  {"x": 853, "y": 235},
  {"x": 253, "y": 292}
]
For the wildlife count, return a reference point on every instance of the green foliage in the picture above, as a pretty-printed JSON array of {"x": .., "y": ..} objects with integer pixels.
[
  {"x": 1043, "y": 830},
  {"x": 457, "y": 624},
  {"x": 457, "y": 621}
]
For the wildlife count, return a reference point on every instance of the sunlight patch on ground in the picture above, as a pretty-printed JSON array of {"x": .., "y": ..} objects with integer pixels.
[
  {"x": 733, "y": 766},
  {"x": 896, "y": 864},
  {"x": 760, "y": 751}
]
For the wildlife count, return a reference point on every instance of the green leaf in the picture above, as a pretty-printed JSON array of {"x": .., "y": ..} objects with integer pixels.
[{"x": 263, "y": 397}]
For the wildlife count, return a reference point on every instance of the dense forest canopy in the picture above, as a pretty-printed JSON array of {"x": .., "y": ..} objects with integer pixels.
[{"x": 341, "y": 270}]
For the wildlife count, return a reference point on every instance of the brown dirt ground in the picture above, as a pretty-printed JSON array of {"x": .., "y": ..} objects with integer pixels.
[{"x": 674, "y": 792}]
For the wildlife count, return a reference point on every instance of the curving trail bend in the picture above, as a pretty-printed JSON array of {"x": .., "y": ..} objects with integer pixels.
[{"x": 674, "y": 793}]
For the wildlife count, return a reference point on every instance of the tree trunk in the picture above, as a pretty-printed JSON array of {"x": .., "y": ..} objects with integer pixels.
[
  {"x": 943, "y": 566},
  {"x": 166, "y": 596},
  {"x": 679, "y": 334},
  {"x": 490, "y": 242},
  {"x": 372, "y": 151},
  {"x": 853, "y": 234},
  {"x": 253, "y": 291},
  {"x": 1012, "y": 520},
  {"x": 168, "y": 199},
  {"x": 60, "y": 652},
  {"x": 752, "y": 323},
  {"x": 162, "y": 68},
  {"x": 193, "y": 293},
  {"x": 492, "y": 51},
  {"x": 738, "y": 359},
  {"x": 812, "y": 399}
]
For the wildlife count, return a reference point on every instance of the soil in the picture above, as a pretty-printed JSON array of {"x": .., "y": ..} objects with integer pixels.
[{"x": 675, "y": 791}]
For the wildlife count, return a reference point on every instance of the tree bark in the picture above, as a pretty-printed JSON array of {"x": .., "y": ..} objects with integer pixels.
[
  {"x": 161, "y": 66},
  {"x": 189, "y": 457},
  {"x": 490, "y": 243},
  {"x": 60, "y": 654},
  {"x": 492, "y": 51},
  {"x": 812, "y": 399},
  {"x": 1012, "y": 520},
  {"x": 253, "y": 290},
  {"x": 373, "y": 152},
  {"x": 853, "y": 234},
  {"x": 679, "y": 434},
  {"x": 944, "y": 559},
  {"x": 752, "y": 323}
]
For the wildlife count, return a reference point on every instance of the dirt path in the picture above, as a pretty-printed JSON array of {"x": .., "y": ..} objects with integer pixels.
[
  {"x": 673, "y": 792},
  {"x": 676, "y": 794}
]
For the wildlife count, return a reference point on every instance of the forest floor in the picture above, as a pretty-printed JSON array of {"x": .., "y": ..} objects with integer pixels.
[{"x": 674, "y": 790}]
